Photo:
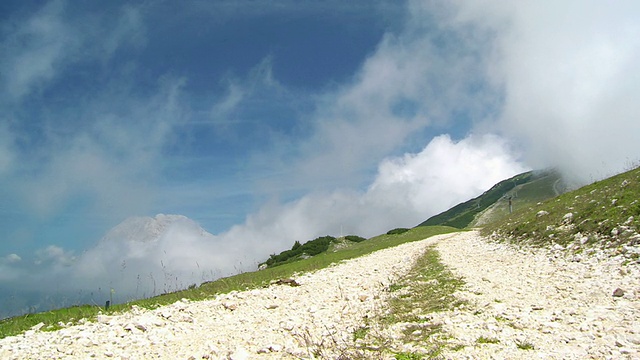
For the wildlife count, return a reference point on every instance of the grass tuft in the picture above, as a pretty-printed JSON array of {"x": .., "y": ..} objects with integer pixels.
[
  {"x": 524, "y": 345},
  {"x": 487, "y": 340}
]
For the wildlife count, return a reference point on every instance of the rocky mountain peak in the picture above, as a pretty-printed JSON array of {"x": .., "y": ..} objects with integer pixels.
[{"x": 146, "y": 228}]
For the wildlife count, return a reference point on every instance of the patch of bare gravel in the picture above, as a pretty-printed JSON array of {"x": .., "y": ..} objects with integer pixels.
[{"x": 527, "y": 303}]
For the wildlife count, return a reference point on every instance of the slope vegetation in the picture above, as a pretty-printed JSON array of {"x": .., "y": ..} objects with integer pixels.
[
  {"x": 526, "y": 188},
  {"x": 606, "y": 213}
]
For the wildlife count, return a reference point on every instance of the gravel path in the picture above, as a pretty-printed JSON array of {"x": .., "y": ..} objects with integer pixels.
[{"x": 562, "y": 306}]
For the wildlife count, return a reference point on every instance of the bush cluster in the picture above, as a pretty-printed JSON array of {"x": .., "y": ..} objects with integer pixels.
[
  {"x": 355, "y": 238},
  {"x": 310, "y": 248},
  {"x": 397, "y": 231}
]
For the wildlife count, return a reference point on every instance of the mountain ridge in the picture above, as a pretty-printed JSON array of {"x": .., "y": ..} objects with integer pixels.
[{"x": 466, "y": 213}]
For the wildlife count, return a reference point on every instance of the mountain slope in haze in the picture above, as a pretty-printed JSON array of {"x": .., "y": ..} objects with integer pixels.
[
  {"x": 542, "y": 186},
  {"x": 151, "y": 255},
  {"x": 147, "y": 229},
  {"x": 531, "y": 186}
]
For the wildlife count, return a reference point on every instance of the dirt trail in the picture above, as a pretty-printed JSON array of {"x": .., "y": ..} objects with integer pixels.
[{"x": 536, "y": 303}]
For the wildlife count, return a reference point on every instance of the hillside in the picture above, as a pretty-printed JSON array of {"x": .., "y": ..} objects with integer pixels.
[
  {"x": 522, "y": 189},
  {"x": 605, "y": 213}
]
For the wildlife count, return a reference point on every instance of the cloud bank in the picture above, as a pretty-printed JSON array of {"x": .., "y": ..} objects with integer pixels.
[
  {"x": 569, "y": 75},
  {"x": 406, "y": 191}
]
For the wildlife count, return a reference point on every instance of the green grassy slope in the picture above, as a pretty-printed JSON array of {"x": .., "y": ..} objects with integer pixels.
[
  {"x": 542, "y": 186},
  {"x": 528, "y": 187},
  {"x": 606, "y": 212}
]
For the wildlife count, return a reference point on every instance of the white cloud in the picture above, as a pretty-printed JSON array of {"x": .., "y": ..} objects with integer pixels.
[
  {"x": 37, "y": 50},
  {"x": 12, "y": 258},
  {"x": 443, "y": 174},
  {"x": 406, "y": 191},
  {"x": 571, "y": 74},
  {"x": 55, "y": 256},
  {"x": 48, "y": 41},
  {"x": 427, "y": 76}
]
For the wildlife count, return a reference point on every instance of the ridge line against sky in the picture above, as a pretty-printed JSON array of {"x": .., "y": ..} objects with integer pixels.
[{"x": 274, "y": 122}]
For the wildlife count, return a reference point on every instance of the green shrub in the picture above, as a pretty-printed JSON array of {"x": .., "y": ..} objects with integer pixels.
[
  {"x": 317, "y": 246},
  {"x": 355, "y": 238},
  {"x": 311, "y": 248},
  {"x": 397, "y": 231}
]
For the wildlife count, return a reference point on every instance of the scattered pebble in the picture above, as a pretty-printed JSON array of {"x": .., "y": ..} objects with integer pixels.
[{"x": 564, "y": 309}]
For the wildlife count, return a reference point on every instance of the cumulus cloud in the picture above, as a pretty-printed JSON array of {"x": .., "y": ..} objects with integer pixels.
[
  {"x": 406, "y": 191},
  {"x": 443, "y": 174},
  {"x": 55, "y": 256}
]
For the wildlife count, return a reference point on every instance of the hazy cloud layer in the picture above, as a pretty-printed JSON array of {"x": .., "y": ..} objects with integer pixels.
[
  {"x": 96, "y": 151},
  {"x": 570, "y": 75}
]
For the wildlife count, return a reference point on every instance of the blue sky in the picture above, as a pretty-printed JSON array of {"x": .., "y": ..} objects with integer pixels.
[
  {"x": 147, "y": 95},
  {"x": 269, "y": 122}
]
